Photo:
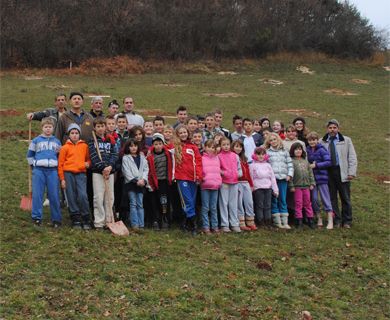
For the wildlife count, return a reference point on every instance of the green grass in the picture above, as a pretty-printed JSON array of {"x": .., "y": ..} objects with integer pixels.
[{"x": 269, "y": 274}]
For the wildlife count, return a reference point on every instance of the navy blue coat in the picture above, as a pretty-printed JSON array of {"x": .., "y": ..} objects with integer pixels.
[{"x": 322, "y": 158}]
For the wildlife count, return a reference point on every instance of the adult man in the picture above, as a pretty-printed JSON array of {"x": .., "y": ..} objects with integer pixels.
[
  {"x": 97, "y": 107},
  {"x": 218, "y": 123},
  {"x": 113, "y": 108},
  {"x": 133, "y": 119},
  {"x": 54, "y": 112},
  {"x": 181, "y": 114},
  {"x": 237, "y": 124},
  {"x": 342, "y": 171}
]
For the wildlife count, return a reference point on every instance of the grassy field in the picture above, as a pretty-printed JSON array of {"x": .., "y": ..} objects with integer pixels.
[{"x": 269, "y": 274}]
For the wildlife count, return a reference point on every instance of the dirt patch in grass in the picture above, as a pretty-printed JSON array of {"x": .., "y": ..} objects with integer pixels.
[
  {"x": 377, "y": 177},
  {"x": 10, "y": 113},
  {"x": 17, "y": 134},
  {"x": 360, "y": 81},
  {"x": 264, "y": 265},
  {"x": 302, "y": 112},
  {"x": 340, "y": 92},
  {"x": 305, "y": 70},
  {"x": 227, "y": 73},
  {"x": 33, "y": 78},
  {"x": 224, "y": 95},
  {"x": 387, "y": 68},
  {"x": 271, "y": 81},
  {"x": 171, "y": 85}
]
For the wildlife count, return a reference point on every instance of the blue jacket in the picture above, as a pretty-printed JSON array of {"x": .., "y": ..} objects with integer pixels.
[
  {"x": 108, "y": 151},
  {"x": 322, "y": 158},
  {"x": 43, "y": 152}
]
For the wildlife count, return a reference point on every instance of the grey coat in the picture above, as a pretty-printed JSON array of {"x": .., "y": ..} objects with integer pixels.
[{"x": 130, "y": 170}]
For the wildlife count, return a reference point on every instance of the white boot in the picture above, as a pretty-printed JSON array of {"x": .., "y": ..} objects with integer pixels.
[
  {"x": 276, "y": 218},
  {"x": 285, "y": 221},
  {"x": 330, "y": 221},
  {"x": 319, "y": 220}
]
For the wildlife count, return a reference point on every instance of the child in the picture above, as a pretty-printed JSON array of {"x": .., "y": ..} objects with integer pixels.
[
  {"x": 237, "y": 124},
  {"x": 218, "y": 115},
  {"x": 201, "y": 124},
  {"x": 158, "y": 124},
  {"x": 192, "y": 124},
  {"x": 160, "y": 179},
  {"x": 111, "y": 130},
  {"x": 301, "y": 184},
  {"x": 291, "y": 138},
  {"x": 282, "y": 166},
  {"x": 228, "y": 193},
  {"x": 188, "y": 173},
  {"x": 212, "y": 181},
  {"x": 319, "y": 159},
  {"x": 121, "y": 128},
  {"x": 103, "y": 168},
  {"x": 168, "y": 136},
  {"x": 264, "y": 123},
  {"x": 73, "y": 163},
  {"x": 148, "y": 129},
  {"x": 209, "y": 131},
  {"x": 265, "y": 133},
  {"x": 135, "y": 171},
  {"x": 42, "y": 156},
  {"x": 278, "y": 127},
  {"x": 138, "y": 134},
  {"x": 197, "y": 139},
  {"x": 256, "y": 126},
  {"x": 245, "y": 186},
  {"x": 250, "y": 139},
  {"x": 264, "y": 185}
]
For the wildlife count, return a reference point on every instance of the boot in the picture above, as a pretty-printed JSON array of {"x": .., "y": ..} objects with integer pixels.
[
  {"x": 243, "y": 226},
  {"x": 277, "y": 221},
  {"x": 192, "y": 227},
  {"x": 319, "y": 220},
  {"x": 299, "y": 223},
  {"x": 285, "y": 221},
  {"x": 310, "y": 223},
  {"x": 330, "y": 221}
]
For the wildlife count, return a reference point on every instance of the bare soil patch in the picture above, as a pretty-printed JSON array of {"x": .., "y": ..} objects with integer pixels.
[
  {"x": 17, "y": 134},
  {"x": 224, "y": 95},
  {"x": 379, "y": 178},
  {"x": 227, "y": 73},
  {"x": 305, "y": 70},
  {"x": 33, "y": 78},
  {"x": 387, "y": 68},
  {"x": 10, "y": 113},
  {"x": 171, "y": 85},
  {"x": 340, "y": 92},
  {"x": 271, "y": 81},
  {"x": 360, "y": 81},
  {"x": 302, "y": 112}
]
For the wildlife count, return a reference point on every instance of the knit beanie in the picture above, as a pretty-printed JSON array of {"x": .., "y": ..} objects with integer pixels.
[
  {"x": 158, "y": 136},
  {"x": 74, "y": 126}
]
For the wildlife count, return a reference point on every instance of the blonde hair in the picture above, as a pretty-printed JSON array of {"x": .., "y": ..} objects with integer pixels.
[
  {"x": 178, "y": 144},
  {"x": 275, "y": 135},
  {"x": 312, "y": 136},
  {"x": 47, "y": 120}
]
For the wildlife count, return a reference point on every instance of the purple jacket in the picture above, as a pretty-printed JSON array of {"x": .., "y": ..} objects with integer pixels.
[{"x": 322, "y": 158}]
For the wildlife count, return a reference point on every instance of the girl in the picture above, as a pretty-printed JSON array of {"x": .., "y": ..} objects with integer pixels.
[
  {"x": 245, "y": 186},
  {"x": 138, "y": 134},
  {"x": 256, "y": 126},
  {"x": 217, "y": 141},
  {"x": 264, "y": 185},
  {"x": 291, "y": 138},
  {"x": 188, "y": 173},
  {"x": 319, "y": 160},
  {"x": 212, "y": 181},
  {"x": 283, "y": 169},
  {"x": 301, "y": 184},
  {"x": 300, "y": 124},
  {"x": 135, "y": 171},
  {"x": 278, "y": 127},
  {"x": 264, "y": 123},
  {"x": 228, "y": 193}
]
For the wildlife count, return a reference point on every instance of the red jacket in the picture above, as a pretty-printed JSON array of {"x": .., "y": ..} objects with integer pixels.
[
  {"x": 246, "y": 176},
  {"x": 190, "y": 168},
  {"x": 152, "y": 176}
]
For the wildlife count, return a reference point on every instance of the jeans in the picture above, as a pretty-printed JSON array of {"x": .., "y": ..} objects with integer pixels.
[
  {"x": 76, "y": 194},
  {"x": 136, "y": 209},
  {"x": 45, "y": 178},
  {"x": 209, "y": 204},
  {"x": 279, "y": 204}
]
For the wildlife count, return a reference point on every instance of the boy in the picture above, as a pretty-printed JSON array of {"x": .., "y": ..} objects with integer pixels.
[
  {"x": 250, "y": 139},
  {"x": 237, "y": 124},
  {"x": 158, "y": 124},
  {"x": 121, "y": 128},
  {"x": 168, "y": 136},
  {"x": 73, "y": 163},
  {"x": 181, "y": 114},
  {"x": 102, "y": 173},
  {"x": 197, "y": 139},
  {"x": 42, "y": 156},
  {"x": 218, "y": 123},
  {"x": 200, "y": 121},
  {"x": 192, "y": 124},
  {"x": 209, "y": 131},
  {"x": 160, "y": 178}
]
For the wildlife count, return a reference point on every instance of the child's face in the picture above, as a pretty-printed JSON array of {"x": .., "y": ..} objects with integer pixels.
[
  {"x": 210, "y": 123},
  {"x": 200, "y": 124},
  {"x": 273, "y": 141},
  {"x": 260, "y": 156},
  {"x": 158, "y": 126},
  {"x": 192, "y": 125},
  {"x": 238, "y": 125},
  {"x": 265, "y": 134},
  {"x": 299, "y": 125},
  {"x": 133, "y": 148},
  {"x": 248, "y": 126},
  {"x": 276, "y": 127},
  {"x": 217, "y": 138},
  {"x": 265, "y": 124},
  {"x": 183, "y": 134},
  {"x": 197, "y": 139},
  {"x": 138, "y": 136},
  {"x": 158, "y": 146},
  {"x": 168, "y": 134},
  {"x": 291, "y": 134},
  {"x": 218, "y": 119},
  {"x": 148, "y": 128},
  {"x": 209, "y": 150},
  {"x": 225, "y": 145},
  {"x": 313, "y": 142},
  {"x": 76, "y": 101},
  {"x": 237, "y": 148},
  {"x": 182, "y": 116},
  {"x": 298, "y": 152},
  {"x": 74, "y": 135},
  {"x": 47, "y": 130},
  {"x": 110, "y": 124},
  {"x": 100, "y": 129},
  {"x": 256, "y": 126},
  {"x": 121, "y": 124}
]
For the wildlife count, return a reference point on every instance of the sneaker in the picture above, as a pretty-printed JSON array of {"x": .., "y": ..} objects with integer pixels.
[
  {"x": 253, "y": 227},
  {"x": 37, "y": 223},
  {"x": 76, "y": 225},
  {"x": 226, "y": 229},
  {"x": 156, "y": 226},
  {"x": 56, "y": 224},
  {"x": 244, "y": 228},
  {"x": 236, "y": 229}
]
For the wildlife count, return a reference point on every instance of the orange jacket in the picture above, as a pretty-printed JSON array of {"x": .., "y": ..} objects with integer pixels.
[{"x": 73, "y": 158}]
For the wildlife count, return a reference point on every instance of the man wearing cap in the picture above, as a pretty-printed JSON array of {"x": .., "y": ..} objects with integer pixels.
[
  {"x": 133, "y": 119},
  {"x": 75, "y": 115},
  {"x": 342, "y": 171},
  {"x": 97, "y": 107}
]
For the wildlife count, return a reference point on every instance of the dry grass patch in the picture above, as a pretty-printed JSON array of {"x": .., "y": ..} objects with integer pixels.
[
  {"x": 271, "y": 81},
  {"x": 305, "y": 70},
  {"x": 340, "y": 92},
  {"x": 227, "y": 73},
  {"x": 171, "y": 85},
  {"x": 224, "y": 95},
  {"x": 360, "y": 81}
]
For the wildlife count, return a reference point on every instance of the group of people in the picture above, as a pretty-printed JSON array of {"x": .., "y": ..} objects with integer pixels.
[{"x": 195, "y": 173}]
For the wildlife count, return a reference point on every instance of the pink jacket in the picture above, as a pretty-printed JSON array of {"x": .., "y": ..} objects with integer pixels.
[
  {"x": 263, "y": 176},
  {"x": 211, "y": 172},
  {"x": 230, "y": 166}
]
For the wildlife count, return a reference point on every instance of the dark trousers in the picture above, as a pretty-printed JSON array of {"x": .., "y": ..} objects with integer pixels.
[
  {"x": 177, "y": 214},
  {"x": 337, "y": 187},
  {"x": 262, "y": 201},
  {"x": 161, "y": 203}
]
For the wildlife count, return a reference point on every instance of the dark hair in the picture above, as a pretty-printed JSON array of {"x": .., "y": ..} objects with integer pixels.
[
  {"x": 191, "y": 118},
  {"x": 247, "y": 120},
  {"x": 113, "y": 102},
  {"x": 295, "y": 146},
  {"x": 200, "y": 117},
  {"x": 134, "y": 129},
  {"x": 110, "y": 117},
  {"x": 159, "y": 118},
  {"x": 236, "y": 117},
  {"x": 242, "y": 153},
  {"x": 75, "y": 93},
  {"x": 261, "y": 120},
  {"x": 128, "y": 144},
  {"x": 197, "y": 130},
  {"x": 269, "y": 129},
  {"x": 99, "y": 120},
  {"x": 121, "y": 116},
  {"x": 181, "y": 108},
  {"x": 59, "y": 95},
  {"x": 299, "y": 119}
]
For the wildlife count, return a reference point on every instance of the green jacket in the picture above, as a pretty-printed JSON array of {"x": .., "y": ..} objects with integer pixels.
[{"x": 303, "y": 174}]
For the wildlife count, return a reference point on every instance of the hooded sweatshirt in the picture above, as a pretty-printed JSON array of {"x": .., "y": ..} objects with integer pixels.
[{"x": 73, "y": 157}]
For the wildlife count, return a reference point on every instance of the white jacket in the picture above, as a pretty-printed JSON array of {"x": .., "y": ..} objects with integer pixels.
[
  {"x": 130, "y": 170},
  {"x": 281, "y": 163}
]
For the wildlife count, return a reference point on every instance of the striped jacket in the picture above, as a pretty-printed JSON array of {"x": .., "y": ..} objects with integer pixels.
[{"x": 43, "y": 152}]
